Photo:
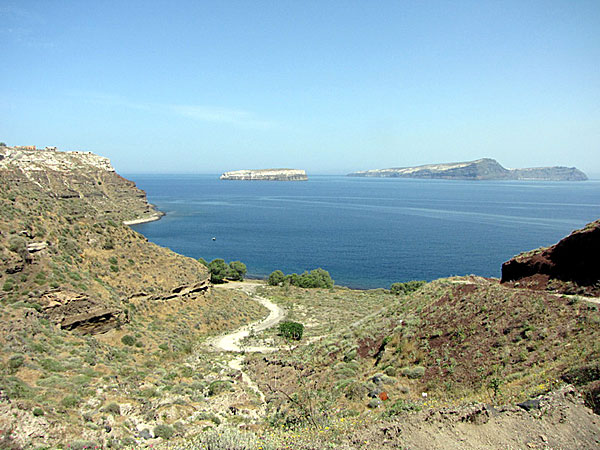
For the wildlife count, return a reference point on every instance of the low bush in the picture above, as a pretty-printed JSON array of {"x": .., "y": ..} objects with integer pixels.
[
  {"x": 291, "y": 330},
  {"x": 227, "y": 438},
  {"x": 413, "y": 372},
  {"x": 15, "y": 362},
  {"x": 70, "y": 401},
  {"x": 112, "y": 408},
  {"x": 405, "y": 288},
  {"x": 317, "y": 278},
  {"x": 163, "y": 431},
  {"x": 128, "y": 340},
  {"x": 218, "y": 387}
]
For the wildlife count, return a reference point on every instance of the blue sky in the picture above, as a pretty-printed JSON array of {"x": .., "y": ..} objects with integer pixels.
[{"x": 328, "y": 86}]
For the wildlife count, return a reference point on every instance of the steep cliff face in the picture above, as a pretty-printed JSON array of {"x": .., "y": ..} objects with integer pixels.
[
  {"x": 480, "y": 169},
  {"x": 62, "y": 237},
  {"x": 266, "y": 175},
  {"x": 77, "y": 175},
  {"x": 570, "y": 266}
]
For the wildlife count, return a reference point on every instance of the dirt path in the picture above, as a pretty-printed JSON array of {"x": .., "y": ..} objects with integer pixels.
[{"x": 230, "y": 342}]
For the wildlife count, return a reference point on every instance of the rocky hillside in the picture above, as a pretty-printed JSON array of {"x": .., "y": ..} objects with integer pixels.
[
  {"x": 91, "y": 311},
  {"x": 481, "y": 169},
  {"x": 570, "y": 266},
  {"x": 266, "y": 175},
  {"x": 77, "y": 175}
]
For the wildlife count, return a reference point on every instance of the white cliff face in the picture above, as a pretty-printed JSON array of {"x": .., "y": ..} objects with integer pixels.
[
  {"x": 266, "y": 174},
  {"x": 40, "y": 160}
]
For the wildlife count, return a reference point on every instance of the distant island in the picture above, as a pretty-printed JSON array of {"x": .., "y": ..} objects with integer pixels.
[
  {"x": 266, "y": 175},
  {"x": 480, "y": 169}
]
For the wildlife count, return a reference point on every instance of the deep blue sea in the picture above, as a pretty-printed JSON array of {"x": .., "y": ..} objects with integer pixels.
[{"x": 367, "y": 232}]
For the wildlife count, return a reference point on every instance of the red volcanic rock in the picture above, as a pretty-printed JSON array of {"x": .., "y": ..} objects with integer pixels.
[{"x": 572, "y": 266}]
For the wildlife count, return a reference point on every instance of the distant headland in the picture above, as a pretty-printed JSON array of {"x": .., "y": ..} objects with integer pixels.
[
  {"x": 266, "y": 175},
  {"x": 480, "y": 169}
]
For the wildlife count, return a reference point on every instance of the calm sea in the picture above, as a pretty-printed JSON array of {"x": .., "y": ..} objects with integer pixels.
[{"x": 366, "y": 232}]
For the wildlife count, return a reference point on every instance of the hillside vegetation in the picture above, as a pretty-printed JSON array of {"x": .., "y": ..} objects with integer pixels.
[
  {"x": 93, "y": 315},
  {"x": 109, "y": 341}
]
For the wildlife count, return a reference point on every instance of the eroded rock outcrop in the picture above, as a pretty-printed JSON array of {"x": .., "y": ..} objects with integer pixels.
[
  {"x": 571, "y": 266},
  {"x": 80, "y": 313}
]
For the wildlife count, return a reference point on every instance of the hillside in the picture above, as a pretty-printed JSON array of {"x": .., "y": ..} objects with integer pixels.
[
  {"x": 480, "y": 169},
  {"x": 110, "y": 341},
  {"x": 92, "y": 313}
]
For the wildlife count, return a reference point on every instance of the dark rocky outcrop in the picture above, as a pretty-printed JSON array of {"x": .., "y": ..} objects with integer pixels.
[
  {"x": 480, "y": 169},
  {"x": 571, "y": 266}
]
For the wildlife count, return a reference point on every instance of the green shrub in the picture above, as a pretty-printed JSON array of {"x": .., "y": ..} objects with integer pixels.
[
  {"x": 17, "y": 244},
  {"x": 128, "y": 339},
  {"x": 203, "y": 262},
  {"x": 52, "y": 365},
  {"x": 15, "y": 362},
  {"x": 276, "y": 278},
  {"x": 163, "y": 431},
  {"x": 405, "y": 288},
  {"x": 70, "y": 401},
  {"x": 413, "y": 372},
  {"x": 219, "y": 386},
  {"x": 317, "y": 278},
  {"x": 236, "y": 271},
  {"x": 37, "y": 412},
  {"x": 8, "y": 285},
  {"x": 291, "y": 330},
  {"x": 401, "y": 406},
  {"x": 227, "y": 438}
]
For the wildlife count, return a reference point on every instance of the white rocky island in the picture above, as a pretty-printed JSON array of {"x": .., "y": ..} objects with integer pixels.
[{"x": 266, "y": 175}]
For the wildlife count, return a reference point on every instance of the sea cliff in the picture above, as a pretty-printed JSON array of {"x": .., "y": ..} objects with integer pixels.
[
  {"x": 480, "y": 169},
  {"x": 266, "y": 175}
]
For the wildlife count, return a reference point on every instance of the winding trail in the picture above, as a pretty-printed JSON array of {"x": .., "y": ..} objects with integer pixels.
[{"x": 230, "y": 342}]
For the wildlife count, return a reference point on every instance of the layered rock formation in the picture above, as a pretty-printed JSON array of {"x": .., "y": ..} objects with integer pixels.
[
  {"x": 266, "y": 175},
  {"x": 570, "y": 266},
  {"x": 481, "y": 169},
  {"x": 65, "y": 250},
  {"x": 78, "y": 175}
]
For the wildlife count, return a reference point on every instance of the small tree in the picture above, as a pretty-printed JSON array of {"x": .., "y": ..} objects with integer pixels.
[
  {"x": 237, "y": 270},
  {"x": 291, "y": 330},
  {"x": 218, "y": 270},
  {"x": 276, "y": 278}
]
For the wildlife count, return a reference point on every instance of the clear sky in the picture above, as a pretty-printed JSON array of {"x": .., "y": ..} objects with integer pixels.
[{"x": 328, "y": 86}]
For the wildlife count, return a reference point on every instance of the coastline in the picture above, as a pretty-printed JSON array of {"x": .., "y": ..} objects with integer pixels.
[{"x": 152, "y": 218}]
